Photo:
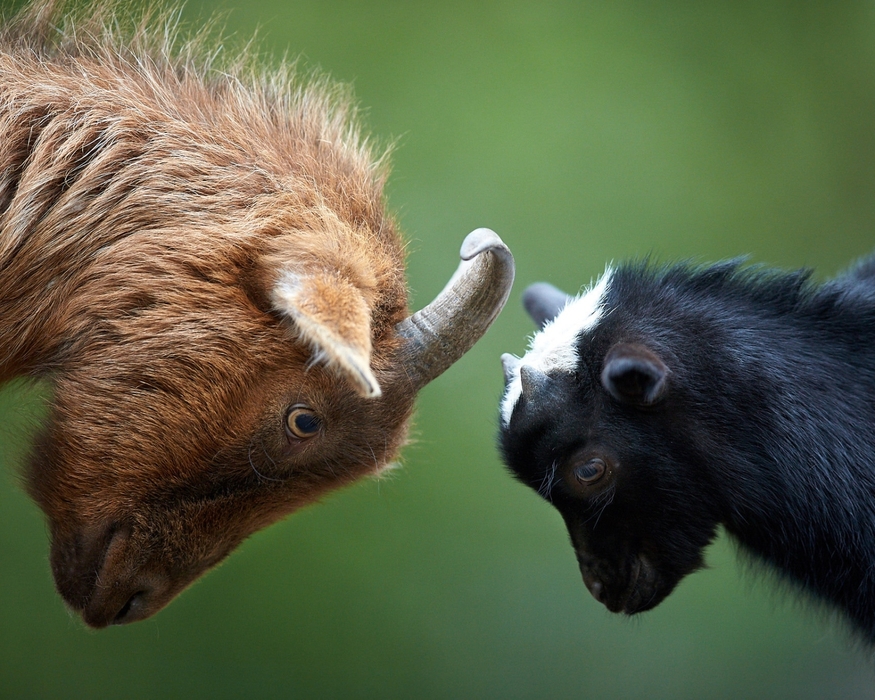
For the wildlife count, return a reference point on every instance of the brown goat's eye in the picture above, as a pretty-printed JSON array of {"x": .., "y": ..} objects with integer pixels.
[
  {"x": 590, "y": 471},
  {"x": 302, "y": 423}
]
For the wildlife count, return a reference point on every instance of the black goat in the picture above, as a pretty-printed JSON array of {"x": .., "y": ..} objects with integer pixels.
[{"x": 669, "y": 400}]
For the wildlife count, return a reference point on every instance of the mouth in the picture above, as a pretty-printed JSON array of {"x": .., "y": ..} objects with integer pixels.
[
  {"x": 644, "y": 588},
  {"x": 101, "y": 613}
]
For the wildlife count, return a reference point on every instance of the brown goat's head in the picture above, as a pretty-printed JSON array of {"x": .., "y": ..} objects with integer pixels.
[{"x": 207, "y": 274}]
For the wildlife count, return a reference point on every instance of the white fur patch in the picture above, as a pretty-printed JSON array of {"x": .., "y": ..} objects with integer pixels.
[{"x": 554, "y": 347}]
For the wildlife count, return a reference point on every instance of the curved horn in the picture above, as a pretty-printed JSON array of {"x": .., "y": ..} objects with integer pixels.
[{"x": 446, "y": 329}]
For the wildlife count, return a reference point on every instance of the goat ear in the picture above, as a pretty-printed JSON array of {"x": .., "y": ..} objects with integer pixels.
[
  {"x": 543, "y": 302},
  {"x": 331, "y": 316},
  {"x": 634, "y": 374}
]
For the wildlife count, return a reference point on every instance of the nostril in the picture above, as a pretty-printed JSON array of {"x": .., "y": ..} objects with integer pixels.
[
  {"x": 131, "y": 606},
  {"x": 78, "y": 558}
]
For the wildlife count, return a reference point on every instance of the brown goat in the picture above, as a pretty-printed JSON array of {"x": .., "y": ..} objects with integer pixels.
[{"x": 201, "y": 263}]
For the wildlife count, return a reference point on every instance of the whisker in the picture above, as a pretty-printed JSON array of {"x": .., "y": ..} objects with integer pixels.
[
  {"x": 602, "y": 501},
  {"x": 260, "y": 476},
  {"x": 545, "y": 489}
]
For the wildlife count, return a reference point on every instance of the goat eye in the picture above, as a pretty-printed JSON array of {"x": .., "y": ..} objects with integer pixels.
[
  {"x": 590, "y": 471},
  {"x": 302, "y": 422}
]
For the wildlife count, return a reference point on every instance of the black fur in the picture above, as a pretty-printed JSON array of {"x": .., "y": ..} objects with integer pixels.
[{"x": 764, "y": 422}]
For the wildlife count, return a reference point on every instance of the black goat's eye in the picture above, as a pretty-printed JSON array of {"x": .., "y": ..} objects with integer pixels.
[
  {"x": 590, "y": 471},
  {"x": 302, "y": 422}
]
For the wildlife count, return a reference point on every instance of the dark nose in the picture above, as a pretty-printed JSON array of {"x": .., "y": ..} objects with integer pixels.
[
  {"x": 594, "y": 585},
  {"x": 101, "y": 574},
  {"x": 77, "y": 559},
  {"x": 597, "y": 590}
]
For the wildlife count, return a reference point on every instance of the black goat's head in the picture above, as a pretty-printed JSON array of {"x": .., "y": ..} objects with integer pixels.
[{"x": 594, "y": 418}]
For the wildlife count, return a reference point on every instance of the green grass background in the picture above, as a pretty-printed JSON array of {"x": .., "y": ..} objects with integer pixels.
[{"x": 581, "y": 132}]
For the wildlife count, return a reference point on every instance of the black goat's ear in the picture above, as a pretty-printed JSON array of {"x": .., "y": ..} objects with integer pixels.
[
  {"x": 634, "y": 374},
  {"x": 543, "y": 302}
]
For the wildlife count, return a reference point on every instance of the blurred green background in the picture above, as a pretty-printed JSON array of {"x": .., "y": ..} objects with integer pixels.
[{"x": 581, "y": 132}]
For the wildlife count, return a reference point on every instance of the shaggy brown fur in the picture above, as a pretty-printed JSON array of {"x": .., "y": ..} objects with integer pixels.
[{"x": 187, "y": 253}]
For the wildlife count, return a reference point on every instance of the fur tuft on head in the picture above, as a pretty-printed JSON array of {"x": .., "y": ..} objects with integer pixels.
[{"x": 554, "y": 347}]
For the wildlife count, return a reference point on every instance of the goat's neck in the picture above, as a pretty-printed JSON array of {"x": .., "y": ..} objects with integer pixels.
[{"x": 802, "y": 496}]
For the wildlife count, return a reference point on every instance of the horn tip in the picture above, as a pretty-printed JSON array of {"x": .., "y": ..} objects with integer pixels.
[{"x": 480, "y": 240}]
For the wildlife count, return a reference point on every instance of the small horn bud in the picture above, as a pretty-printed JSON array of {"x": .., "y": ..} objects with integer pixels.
[
  {"x": 534, "y": 382},
  {"x": 511, "y": 364}
]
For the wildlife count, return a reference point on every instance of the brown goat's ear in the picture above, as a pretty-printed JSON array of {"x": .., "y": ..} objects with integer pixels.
[
  {"x": 634, "y": 374},
  {"x": 331, "y": 316}
]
